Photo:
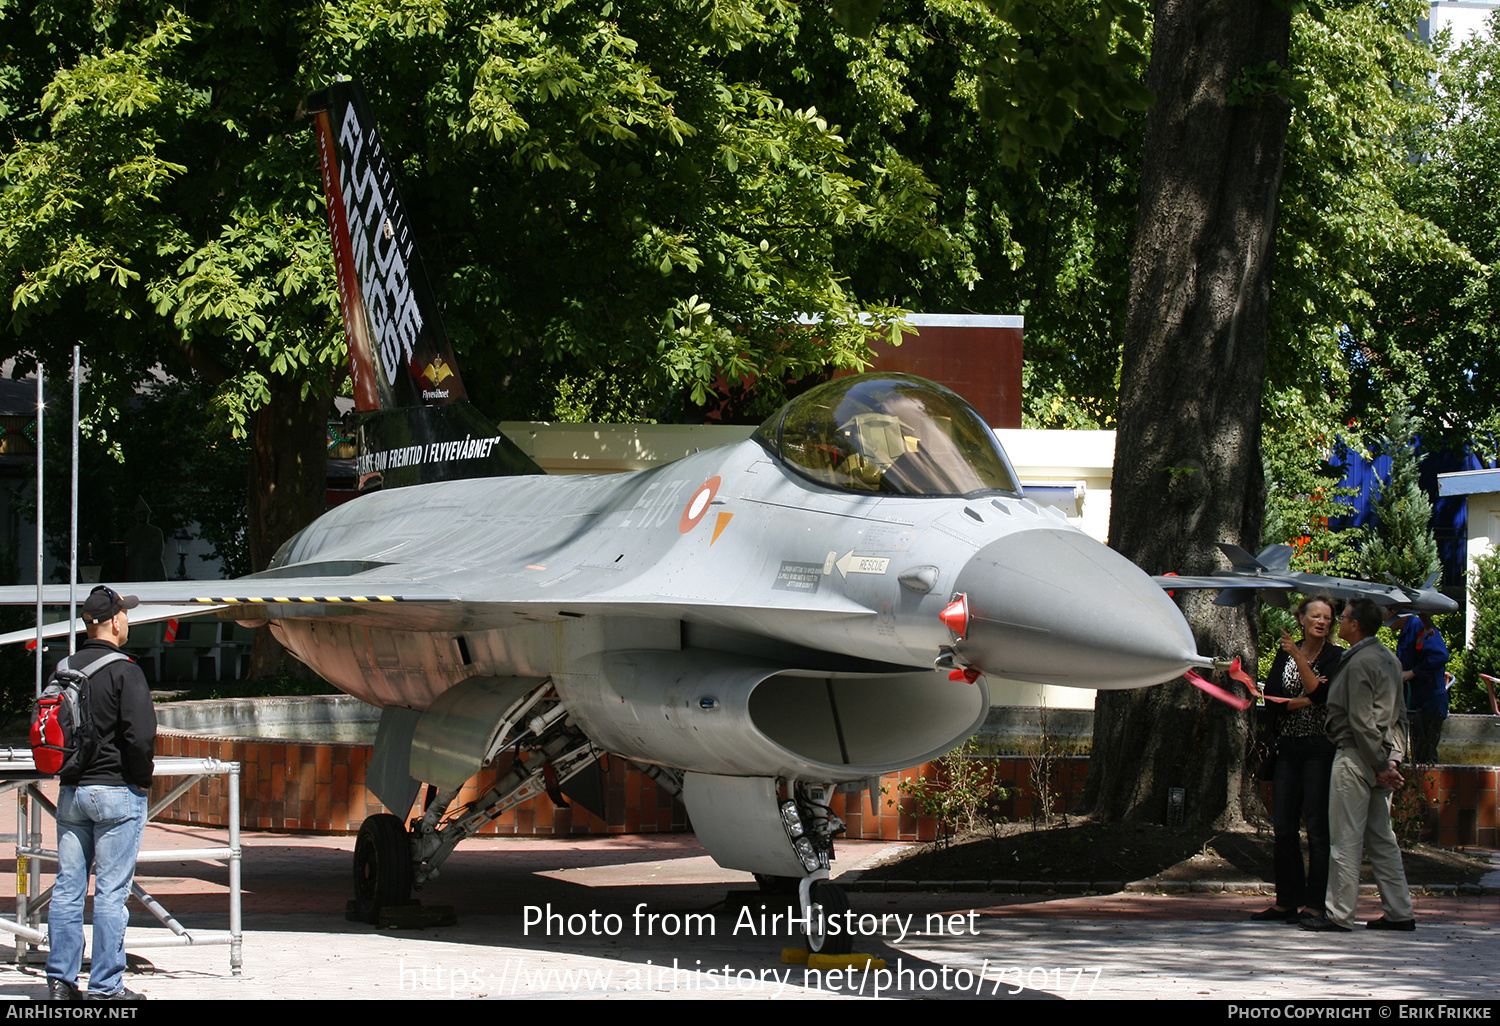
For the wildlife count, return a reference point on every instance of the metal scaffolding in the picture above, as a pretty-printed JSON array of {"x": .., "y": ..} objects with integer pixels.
[{"x": 18, "y": 772}]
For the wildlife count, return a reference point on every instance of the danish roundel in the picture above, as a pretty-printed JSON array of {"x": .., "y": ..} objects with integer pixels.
[{"x": 698, "y": 505}]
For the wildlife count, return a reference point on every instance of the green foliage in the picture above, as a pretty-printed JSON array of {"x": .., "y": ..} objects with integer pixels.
[
  {"x": 1050, "y": 796},
  {"x": 168, "y": 450},
  {"x": 160, "y": 216},
  {"x": 1256, "y": 85},
  {"x": 1347, "y": 223},
  {"x": 1059, "y": 66},
  {"x": 1431, "y": 325},
  {"x": 1404, "y": 546},
  {"x": 1303, "y": 499},
  {"x": 624, "y": 194},
  {"x": 600, "y": 190},
  {"x": 1409, "y": 810},
  {"x": 1483, "y": 654},
  {"x": 1048, "y": 69},
  {"x": 1484, "y": 592},
  {"x": 1046, "y": 236},
  {"x": 962, "y": 797},
  {"x": 1468, "y": 694}
]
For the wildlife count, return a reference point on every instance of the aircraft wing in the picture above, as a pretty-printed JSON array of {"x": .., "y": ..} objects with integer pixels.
[
  {"x": 141, "y": 614},
  {"x": 1394, "y": 598},
  {"x": 1268, "y": 576},
  {"x": 1233, "y": 588},
  {"x": 426, "y": 600}
]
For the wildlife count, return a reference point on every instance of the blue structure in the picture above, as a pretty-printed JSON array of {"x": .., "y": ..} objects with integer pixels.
[{"x": 1449, "y": 523}]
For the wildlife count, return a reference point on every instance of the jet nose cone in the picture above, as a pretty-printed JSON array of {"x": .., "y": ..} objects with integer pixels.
[{"x": 1058, "y": 607}]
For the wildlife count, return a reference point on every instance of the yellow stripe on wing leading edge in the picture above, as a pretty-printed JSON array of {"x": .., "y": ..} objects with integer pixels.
[{"x": 294, "y": 600}]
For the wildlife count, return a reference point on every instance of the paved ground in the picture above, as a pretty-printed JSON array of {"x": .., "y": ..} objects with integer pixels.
[{"x": 297, "y": 943}]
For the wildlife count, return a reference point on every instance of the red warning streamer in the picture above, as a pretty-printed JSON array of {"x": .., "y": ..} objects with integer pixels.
[
  {"x": 1240, "y": 675},
  {"x": 1216, "y": 691}
]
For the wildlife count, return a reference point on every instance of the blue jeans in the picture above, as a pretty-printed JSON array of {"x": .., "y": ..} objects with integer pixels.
[{"x": 98, "y": 828}]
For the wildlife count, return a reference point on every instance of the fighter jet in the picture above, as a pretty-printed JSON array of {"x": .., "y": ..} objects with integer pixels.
[
  {"x": 758, "y": 625},
  {"x": 1269, "y": 576}
]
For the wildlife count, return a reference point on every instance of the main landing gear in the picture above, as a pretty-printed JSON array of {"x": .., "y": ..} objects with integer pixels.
[
  {"x": 390, "y": 860},
  {"x": 382, "y": 866}
]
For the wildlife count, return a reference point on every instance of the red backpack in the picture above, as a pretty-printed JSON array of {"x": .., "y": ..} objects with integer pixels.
[{"x": 64, "y": 737}]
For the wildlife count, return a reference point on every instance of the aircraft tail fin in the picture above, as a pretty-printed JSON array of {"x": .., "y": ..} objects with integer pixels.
[
  {"x": 1276, "y": 558},
  {"x": 1410, "y": 593},
  {"x": 416, "y": 423},
  {"x": 1272, "y": 559},
  {"x": 1239, "y": 558}
]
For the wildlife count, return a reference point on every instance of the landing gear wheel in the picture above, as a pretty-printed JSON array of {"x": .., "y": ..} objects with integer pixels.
[
  {"x": 831, "y": 900},
  {"x": 382, "y": 866}
]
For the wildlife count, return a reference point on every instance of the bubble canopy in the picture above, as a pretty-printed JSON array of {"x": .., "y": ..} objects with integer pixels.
[{"x": 894, "y": 434}]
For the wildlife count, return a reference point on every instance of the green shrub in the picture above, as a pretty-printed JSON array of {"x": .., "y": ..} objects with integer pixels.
[
  {"x": 964, "y": 796},
  {"x": 1483, "y": 654}
]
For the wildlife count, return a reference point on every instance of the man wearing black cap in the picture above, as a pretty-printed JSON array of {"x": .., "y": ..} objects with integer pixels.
[{"x": 101, "y": 812}]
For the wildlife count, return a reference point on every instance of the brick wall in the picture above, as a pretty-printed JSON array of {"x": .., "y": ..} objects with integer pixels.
[{"x": 320, "y": 788}]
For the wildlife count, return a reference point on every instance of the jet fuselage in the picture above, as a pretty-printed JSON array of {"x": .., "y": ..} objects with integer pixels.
[{"x": 725, "y": 551}]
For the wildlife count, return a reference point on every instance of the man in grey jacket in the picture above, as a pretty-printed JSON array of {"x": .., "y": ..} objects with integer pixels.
[{"x": 1367, "y": 723}]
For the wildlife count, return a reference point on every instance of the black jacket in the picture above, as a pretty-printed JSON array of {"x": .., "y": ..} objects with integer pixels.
[
  {"x": 124, "y": 716},
  {"x": 1325, "y": 665}
]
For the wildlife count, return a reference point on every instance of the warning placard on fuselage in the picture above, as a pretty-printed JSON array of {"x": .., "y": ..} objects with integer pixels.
[{"x": 798, "y": 576}]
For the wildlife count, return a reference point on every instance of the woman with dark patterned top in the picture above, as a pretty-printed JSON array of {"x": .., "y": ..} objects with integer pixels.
[{"x": 1304, "y": 761}]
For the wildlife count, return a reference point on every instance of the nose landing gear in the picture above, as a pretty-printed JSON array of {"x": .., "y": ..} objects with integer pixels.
[{"x": 823, "y": 906}]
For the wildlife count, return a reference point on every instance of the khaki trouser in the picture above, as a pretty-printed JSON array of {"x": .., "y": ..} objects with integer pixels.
[{"x": 1359, "y": 821}]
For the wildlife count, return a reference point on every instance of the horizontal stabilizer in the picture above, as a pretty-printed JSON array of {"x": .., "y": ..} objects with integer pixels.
[
  {"x": 1234, "y": 596},
  {"x": 1410, "y": 593},
  {"x": 194, "y": 598},
  {"x": 1237, "y": 585},
  {"x": 1240, "y": 596}
]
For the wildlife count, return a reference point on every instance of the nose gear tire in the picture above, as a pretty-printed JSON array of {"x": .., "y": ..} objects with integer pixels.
[{"x": 833, "y": 902}]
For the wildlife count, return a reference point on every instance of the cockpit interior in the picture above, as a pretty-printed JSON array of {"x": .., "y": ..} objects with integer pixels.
[{"x": 894, "y": 434}]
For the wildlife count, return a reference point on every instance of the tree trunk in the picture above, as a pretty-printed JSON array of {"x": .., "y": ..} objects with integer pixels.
[
  {"x": 1187, "y": 457},
  {"x": 288, "y": 481}
]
